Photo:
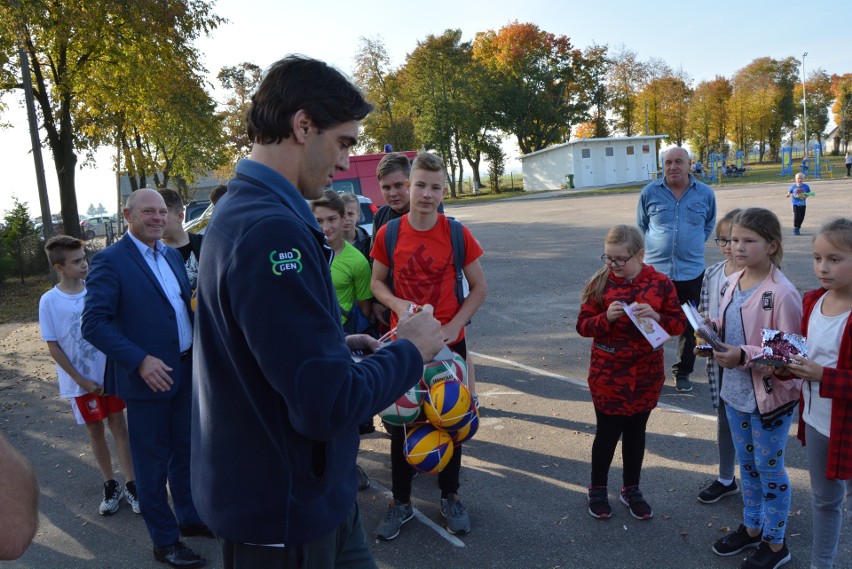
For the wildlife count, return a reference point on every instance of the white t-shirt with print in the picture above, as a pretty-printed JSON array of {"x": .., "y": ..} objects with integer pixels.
[{"x": 59, "y": 318}]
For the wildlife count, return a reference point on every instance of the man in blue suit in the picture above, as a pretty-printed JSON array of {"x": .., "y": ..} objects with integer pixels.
[{"x": 137, "y": 313}]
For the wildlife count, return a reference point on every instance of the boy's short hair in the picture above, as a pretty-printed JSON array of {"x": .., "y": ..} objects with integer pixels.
[
  {"x": 58, "y": 245},
  {"x": 217, "y": 193},
  {"x": 393, "y": 162},
  {"x": 172, "y": 199},
  {"x": 349, "y": 197},
  {"x": 300, "y": 83},
  {"x": 429, "y": 162},
  {"x": 331, "y": 200}
]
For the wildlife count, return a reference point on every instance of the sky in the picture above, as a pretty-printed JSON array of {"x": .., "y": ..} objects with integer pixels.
[{"x": 704, "y": 39}]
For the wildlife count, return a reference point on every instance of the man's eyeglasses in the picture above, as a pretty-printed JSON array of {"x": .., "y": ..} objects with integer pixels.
[
  {"x": 615, "y": 262},
  {"x": 722, "y": 242}
]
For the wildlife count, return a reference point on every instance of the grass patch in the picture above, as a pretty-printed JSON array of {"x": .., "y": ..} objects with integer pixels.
[
  {"x": 483, "y": 196},
  {"x": 19, "y": 302},
  {"x": 770, "y": 174}
]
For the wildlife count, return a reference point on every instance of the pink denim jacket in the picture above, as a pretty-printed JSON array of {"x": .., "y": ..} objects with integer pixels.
[{"x": 776, "y": 304}]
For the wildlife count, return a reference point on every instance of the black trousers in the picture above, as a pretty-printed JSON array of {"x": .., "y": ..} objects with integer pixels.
[
  {"x": 631, "y": 430},
  {"x": 687, "y": 291},
  {"x": 798, "y": 216}
]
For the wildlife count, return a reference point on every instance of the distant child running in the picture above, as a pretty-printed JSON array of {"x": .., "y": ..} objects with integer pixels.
[
  {"x": 711, "y": 295},
  {"x": 799, "y": 192},
  {"x": 626, "y": 374},
  {"x": 826, "y": 412},
  {"x": 80, "y": 367},
  {"x": 760, "y": 406},
  {"x": 424, "y": 273}
]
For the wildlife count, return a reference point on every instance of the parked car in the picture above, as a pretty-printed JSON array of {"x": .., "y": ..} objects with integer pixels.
[
  {"x": 194, "y": 209},
  {"x": 368, "y": 211},
  {"x": 96, "y": 226}
]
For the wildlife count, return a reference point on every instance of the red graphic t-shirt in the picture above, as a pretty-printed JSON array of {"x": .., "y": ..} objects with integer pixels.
[{"x": 423, "y": 269}]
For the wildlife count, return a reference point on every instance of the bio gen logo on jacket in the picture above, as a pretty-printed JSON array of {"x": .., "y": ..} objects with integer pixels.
[{"x": 286, "y": 261}]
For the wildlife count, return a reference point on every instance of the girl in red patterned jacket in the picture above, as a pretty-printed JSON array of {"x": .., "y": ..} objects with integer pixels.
[
  {"x": 626, "y": 374},
  {"x": 825, "y": 418}
]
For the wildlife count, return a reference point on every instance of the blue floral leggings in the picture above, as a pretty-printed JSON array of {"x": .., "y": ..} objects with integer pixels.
[{"x": 766, "y": 488}]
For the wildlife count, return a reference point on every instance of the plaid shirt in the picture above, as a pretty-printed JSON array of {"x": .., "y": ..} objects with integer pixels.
[
  {"x": 708, "y": 306},
  {"x": 837, "y": 385}
]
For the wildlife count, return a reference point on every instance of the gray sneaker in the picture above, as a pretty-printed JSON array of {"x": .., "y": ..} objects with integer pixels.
[
  {"x": 397, "y": 515},
  {"x": 683, "y": 384},
  {"x": 458, "y": 522}
]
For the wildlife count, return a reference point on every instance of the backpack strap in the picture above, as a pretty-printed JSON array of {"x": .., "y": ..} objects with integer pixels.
[
  {"x": 457, "y": 242},
  {"x": 391, "y": 237}
]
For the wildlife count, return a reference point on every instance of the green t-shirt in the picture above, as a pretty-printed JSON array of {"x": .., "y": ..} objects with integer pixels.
[{"x": 350, "y": 273}]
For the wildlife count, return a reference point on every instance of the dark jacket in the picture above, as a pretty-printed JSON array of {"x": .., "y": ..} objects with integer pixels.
[{"x": 278, "y": 399}]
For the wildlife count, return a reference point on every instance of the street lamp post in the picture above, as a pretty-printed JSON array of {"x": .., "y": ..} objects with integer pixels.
[{"x": 805, "y": 102}]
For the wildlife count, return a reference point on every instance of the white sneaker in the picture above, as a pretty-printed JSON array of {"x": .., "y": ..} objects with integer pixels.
[
  {"x": 131, "y": 497},
  {"x": 112, "y": 496}
]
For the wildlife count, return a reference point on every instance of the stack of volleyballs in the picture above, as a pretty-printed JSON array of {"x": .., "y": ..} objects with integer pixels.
[{"x": 436, "y": 414}]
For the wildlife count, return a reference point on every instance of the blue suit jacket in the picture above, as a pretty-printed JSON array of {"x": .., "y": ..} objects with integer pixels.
[{"x": 128, "y": 316}]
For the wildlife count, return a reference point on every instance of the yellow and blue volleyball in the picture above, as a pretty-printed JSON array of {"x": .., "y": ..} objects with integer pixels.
[
  {"x": 428, "y": 449},
  {"x": 405, "y": 409},
  {"x": 467, "y": 428},
  {"x": 446, "y": 403},
  {"x": 442, "y": 370}
]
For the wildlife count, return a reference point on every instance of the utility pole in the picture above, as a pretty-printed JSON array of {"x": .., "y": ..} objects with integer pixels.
[{"x": 805, "y": 102}]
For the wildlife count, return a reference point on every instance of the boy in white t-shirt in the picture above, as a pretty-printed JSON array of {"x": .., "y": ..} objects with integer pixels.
[{"x": 80, "y": 368}]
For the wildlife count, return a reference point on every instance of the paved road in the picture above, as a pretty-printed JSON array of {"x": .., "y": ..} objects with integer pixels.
[{"x": 525, "y": 473}]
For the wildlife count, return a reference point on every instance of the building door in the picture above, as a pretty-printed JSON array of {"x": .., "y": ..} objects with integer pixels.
[
  {"x": 587, "y": 169},
  {"x": 630, "y": 164},
  {"x": 611, "y": 176}
]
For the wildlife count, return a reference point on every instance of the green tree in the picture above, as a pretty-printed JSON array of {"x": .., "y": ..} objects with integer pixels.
[
  {"x": 626, "y": 77},
  {"x": 74, "y": 45},
  {"x": 596, "y": 74},
  {"x": 841, "y": 88},
  {"x": 392, "y": 120},
  {"x": 240, "y": 81},
  {"x": 819, "y": 97},
  {"x": 91, "y": 211},
  {"x": 20, "y": 238},
  {"x": 540, "y": 81},
  {"x": 496, "y": 159}
]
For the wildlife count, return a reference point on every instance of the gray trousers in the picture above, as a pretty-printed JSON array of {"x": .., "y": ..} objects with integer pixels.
[
  {"x": 727, "y": 451},
  {"x": 827, "y": 502}
]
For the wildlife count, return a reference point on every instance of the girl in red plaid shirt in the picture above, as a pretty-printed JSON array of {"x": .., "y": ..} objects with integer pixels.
[{"x": 826, "y": 402}]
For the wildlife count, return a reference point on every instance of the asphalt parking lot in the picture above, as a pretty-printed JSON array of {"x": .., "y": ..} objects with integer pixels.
[{"x": 525, "y": 473}]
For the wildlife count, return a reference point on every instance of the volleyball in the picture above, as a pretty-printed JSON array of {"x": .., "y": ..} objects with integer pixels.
[
  {"x": 440, "y": 370},
  {"x": 428, "y": 449},
  {"x": 405, "y": 409},
  {"x": 447, "y": 403},
  {"x": 468, "y": 427}
]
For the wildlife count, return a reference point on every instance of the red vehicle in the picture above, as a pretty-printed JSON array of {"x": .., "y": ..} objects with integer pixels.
[{"x": 360, "y": 178}]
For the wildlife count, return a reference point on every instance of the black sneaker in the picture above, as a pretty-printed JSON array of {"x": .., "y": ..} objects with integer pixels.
[
  {"x": 631, "y": 497},
  {"x": 765, "y": 558},
  {"x": 683, "y": 384},
  {"x": 735, "y": 542},
  {"x": 716, "y": 491},
  {"x": 599, "y": 503}
]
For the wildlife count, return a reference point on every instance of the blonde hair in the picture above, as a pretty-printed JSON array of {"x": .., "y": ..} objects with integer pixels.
[
  {"x": 628, "y": 235},
  {"x": 838, "y": 232},
  {"x": 729, "y": 218}
]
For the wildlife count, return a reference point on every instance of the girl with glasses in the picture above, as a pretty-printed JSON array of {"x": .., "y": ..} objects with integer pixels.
[{"x": 626, "y": 374}]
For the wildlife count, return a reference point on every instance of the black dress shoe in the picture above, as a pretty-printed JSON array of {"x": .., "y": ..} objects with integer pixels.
[
  {"x": 196, "y": 530},
  {"x": 178, "y": 555}
]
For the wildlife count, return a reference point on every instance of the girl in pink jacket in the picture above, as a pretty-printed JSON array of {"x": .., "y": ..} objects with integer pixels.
[{"x": 760, "y": 407}]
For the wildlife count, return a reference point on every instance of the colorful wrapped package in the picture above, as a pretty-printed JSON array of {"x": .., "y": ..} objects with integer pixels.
[{"x": 778, "y": 347}]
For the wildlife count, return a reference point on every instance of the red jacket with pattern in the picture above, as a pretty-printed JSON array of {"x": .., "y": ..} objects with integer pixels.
[
  {"x": 625, "y": 373},
  {"x": 837, "y": 384}
]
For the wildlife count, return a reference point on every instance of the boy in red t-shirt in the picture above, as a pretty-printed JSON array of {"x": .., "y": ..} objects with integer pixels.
[{"x": 424, "y": 273}]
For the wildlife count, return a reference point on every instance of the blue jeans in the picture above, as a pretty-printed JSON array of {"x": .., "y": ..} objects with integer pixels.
[
  {"x": 766, "y": 487},
  {"x": 826, "y": 502}
]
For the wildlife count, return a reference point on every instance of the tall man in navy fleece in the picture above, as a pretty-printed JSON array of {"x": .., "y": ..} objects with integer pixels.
[
  {"x": 278, "y": 398},
  {"x": 677, "y": 214}
]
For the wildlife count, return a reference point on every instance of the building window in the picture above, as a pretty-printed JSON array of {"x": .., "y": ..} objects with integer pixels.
[
  {"x": 585, "y": 153},
  {"x": 646, "y": 149},
  {"x": 608, "y": 151},
  {"x": 630, "y": 151}
]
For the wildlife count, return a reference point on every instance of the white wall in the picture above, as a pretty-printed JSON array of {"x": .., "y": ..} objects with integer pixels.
[{"x": 547, "y": 171}]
